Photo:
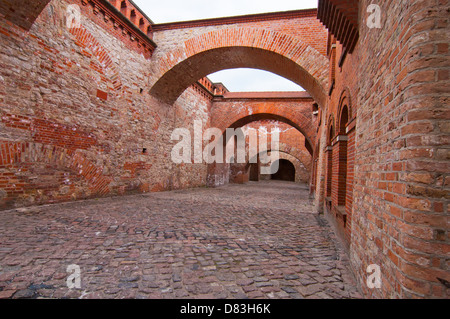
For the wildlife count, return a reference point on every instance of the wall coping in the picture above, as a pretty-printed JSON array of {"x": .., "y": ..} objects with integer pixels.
[
  {"x": 300, "y": 95},
  {"x": 236, "y": 19}
]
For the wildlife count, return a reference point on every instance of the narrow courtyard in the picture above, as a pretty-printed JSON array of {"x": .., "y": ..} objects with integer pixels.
[{"x": 259, "y": 240}]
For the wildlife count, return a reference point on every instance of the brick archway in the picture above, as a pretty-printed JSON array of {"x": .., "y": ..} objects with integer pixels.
[
  {"x": 86, "y": 40},
  {"x": 294, "y": 119},
  {"x": 70, "y": 165},
  {"x": 286, "y": 170},
  {"x": 236, "y": 48},
  {"x": 286, "y": 152},
  {"x": 23, "y": 12},
  {"x": 286, "y": 149}
]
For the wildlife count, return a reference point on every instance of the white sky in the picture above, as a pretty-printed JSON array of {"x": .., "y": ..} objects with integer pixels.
[
  {"x": 252, "y": 80},
  {"x": 238, "y": 79}
]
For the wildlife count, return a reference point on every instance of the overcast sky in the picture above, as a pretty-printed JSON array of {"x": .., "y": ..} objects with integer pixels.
[{"x": 238, "y": 79}]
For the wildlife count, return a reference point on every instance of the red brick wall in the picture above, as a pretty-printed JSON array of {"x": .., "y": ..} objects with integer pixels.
[
  {"x": 396, "y": 195},
  {"x": 291, "y": 147},
  {"x": 243, "y": 109},
  {"x": 80, "y": 116},
  {"x": 123, "y": 26},
  {"x": 238, "y": 111},
  {"x": 190, "y": 52},
  {"x": 329, "y": 172},
  {"x": 76, "y": 116},
  {"x": 341, "y": 166},
  {"x": 36, "y": 173},
  {"x": 408, "y": 79},
  {"x": 301, "y": 24},
  {"x": 350, "y": 182},
  {"x": 21, "y": 13},
  {"x": 50, "y": 132}
]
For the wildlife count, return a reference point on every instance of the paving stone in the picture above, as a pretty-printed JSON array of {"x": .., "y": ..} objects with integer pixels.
[
  {"x": 325, "y": 273},
  {"x": 128, "y": 285},
  {"x": 306, "y": 282},
  {"x": 289, "y": 290},
  {"x": 7, "y": 294},
  {"x": 244, "y": 282},
  {"x": 130, "y": 279},
  {"x": 183, "y": 249},
  {"x": 249, "y": 288},
  {"x": 176, "y": 278},
  {"x": 24, "y": 294},
  {"x": 263, "y": 284},
  {"x": 255, "y": 294},
  {"x": 312, "y": 289}
]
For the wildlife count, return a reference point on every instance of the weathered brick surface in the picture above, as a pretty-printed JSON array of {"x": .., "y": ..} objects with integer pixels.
[
  {"x": 188, "y": 53},
  {"x": 291, "y": 147},
  {"x": 291, "y": 112},
  {"x": 301, "y": 24},
  {"x": 77, "y": 94},
  {"x": 236, "y": 112},
  {"x": 396, "y": 144},
  {"x": 89, "y": 111},
  {"x": 123, "y": 20},
  {"x": 21, "y": 13}
]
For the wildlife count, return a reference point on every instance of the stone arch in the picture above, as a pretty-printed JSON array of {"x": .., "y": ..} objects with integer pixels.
[
  {"x": 219, "y": 173},
  {"x": 85, "y": 39},
  {"x": 302, "y": 173},
  {"x": 285, "y": 163},
  {"x": 343, "y": 119},
  {"x": 294, "y": 152},
  {"x": 329, "y": 150},
  {"x": 331, "y": 131},
  {"x": 345, "y": 105},
  {"x": 23, "y": 13},
  {"x": 53, "y": 159},
  {"x": 341, "y": 148},
  {"x": 240, "y": 47}
]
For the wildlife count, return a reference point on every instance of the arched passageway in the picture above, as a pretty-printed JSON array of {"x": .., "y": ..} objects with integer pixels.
[
  {"x": 285, "y": 172},
  {"x": 299, "y": 121},
  {"x": 254, "y": 172},
  {"x": 240, "y": 48}
]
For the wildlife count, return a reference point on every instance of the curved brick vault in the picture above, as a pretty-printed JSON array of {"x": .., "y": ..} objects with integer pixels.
[
  {"x": 237, "y": 48},
  {"x": 296, "y": 153},
  {"x": 22, "y": 12},
  {"x": 303, "y": 127},
  {"x": 289, "y": 150},
  {"x": 300, "y": 158},
  {"x": 303, "y": 157},
  {"x": 69, "y": 165},
  {"x": 302, "y": 174},
  {"x": 292, "y": 117}
]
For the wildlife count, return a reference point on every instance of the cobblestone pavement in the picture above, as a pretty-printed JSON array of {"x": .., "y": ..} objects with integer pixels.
[{"x": 259, "y": 240}]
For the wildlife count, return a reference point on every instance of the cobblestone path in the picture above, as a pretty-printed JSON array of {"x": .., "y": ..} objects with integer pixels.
[{"x": 259, "y": 240}]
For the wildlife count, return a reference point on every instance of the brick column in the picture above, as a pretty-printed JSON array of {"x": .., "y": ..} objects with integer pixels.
[
  {"x": 350, "y": 176},
  {"x": 340, "y": 171},
  {"x": 329, "y": 152}
]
